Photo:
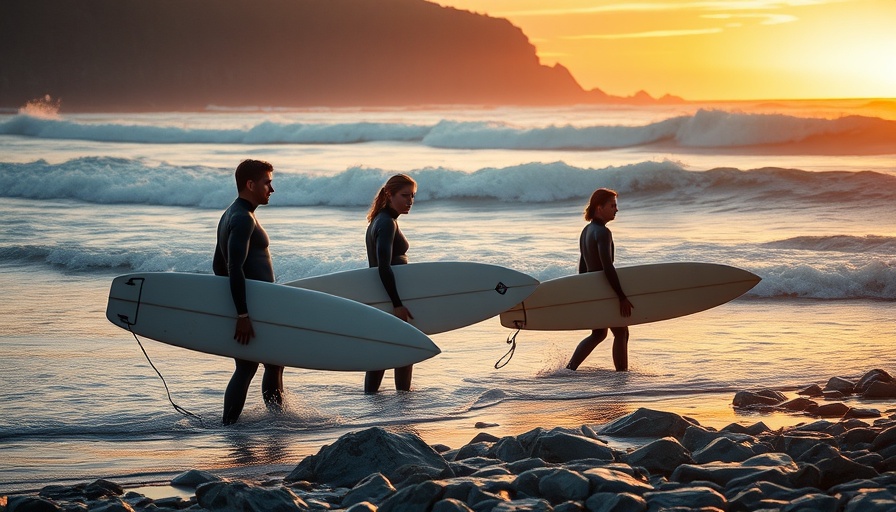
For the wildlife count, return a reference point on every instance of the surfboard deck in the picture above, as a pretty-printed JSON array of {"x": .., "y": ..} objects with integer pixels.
[
  {"x": 442, "y": 296},
  {"x": 658, "y": 292},
  {"x": 293, "y": 327}
]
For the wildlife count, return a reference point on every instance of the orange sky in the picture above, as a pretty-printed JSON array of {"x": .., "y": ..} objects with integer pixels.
[{"x": 713, "y": 50}]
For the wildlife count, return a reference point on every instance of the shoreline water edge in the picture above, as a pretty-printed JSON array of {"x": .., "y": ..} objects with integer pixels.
[{"x": 842, "y": 458}]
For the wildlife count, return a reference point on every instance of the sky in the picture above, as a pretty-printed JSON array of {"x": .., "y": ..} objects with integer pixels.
[{"x": 713, "y": 50}]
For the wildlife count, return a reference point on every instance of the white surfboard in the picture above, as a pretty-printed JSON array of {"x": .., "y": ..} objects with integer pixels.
[
  {"x": 658, "y": 292},
  {"x": 441, "y": 295},
  {"x": 293, "y": 327}
]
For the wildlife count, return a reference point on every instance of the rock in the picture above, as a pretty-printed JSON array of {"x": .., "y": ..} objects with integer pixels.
[
  {"x": 102, "y": 488},
  {"x": 569, "y": 506},
  {"x": 527, "y": 482},
  {"x": 697, "y": 438},
  {"x": 840, "y": 384},
  {"x": 661, "y": 456},
  {"x": 193, "y": 478},
  {"x": 878, "y": 389},
  {"x": 521, "y": 466},
  {"x": 647, "y": 423},
  {"x": 694, "y": 497},
  {"x": 564, "y": 447},
  {"x": 798, "y": 404},
  {"x": 836, "y": 410},
  {"x": 839, "y": 469},
  {"x": 467, "y": 451},
  {"x": 414, "y": 498},
  {"x": 813, "y": 390},
  {"x": 795, "y": 445},
  {"x": 507, "y": 449},
  {"x": 611, "y": 502},
  {"x": 490, "y": 472},
  {"x": 723, "y": 449},
  {"x": 856, "y": 412},
  {"x": 451, "y": 505},
  {"x": 525, "y": 505},
  {"x": 604, "y": 480},
  {"x": 111, "y": 505},
  {"x": 243, "y": 497},
  {"x": 763, "y": 495},
  {"x": 364, "y": 506},
  {"x": 31, "y": 504},
  {"x": 748, "y": 399},
  {"x": 354, "y": 456},
  {"x": 483, "y": 437},
  {"x": 884, "y": 439},
  {"x": 872, "y": 501},
  {"x": 855, "y": 436},
  {"x": 562, "y": 485},
  {"x": 374, "y": 488},
  {"x": 483, "y": 424},
  {"x": 870, "y": 377}
]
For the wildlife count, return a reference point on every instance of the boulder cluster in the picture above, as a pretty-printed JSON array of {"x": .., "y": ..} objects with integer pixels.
[
  {"x": 874, "y": 385},
  {"x": 674, "y": 465}
]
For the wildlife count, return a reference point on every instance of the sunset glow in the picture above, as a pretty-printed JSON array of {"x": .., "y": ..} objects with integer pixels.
[{"x": 762, "y": 49}]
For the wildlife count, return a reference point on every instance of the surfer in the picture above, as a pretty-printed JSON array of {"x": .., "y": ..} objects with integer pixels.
[
  {"x": 387, "y": 246},
  {"x": 242, "y": 253},
  {"x": 597, "y": 253}
]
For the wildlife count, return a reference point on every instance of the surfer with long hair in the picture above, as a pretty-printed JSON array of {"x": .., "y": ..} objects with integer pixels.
[
  {"x": 597, "y": 254},
  {"x": 387, "y": 246}
]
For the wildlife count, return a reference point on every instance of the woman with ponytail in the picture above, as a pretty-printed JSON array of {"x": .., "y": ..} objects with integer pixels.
[{"x": 387, "y": 246}]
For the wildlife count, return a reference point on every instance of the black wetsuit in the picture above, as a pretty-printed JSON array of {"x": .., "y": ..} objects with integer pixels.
[
  {"x": 597, "y": 254},
  {"x": 387, "y": 246},
  {"x": 242, "y": 253}
]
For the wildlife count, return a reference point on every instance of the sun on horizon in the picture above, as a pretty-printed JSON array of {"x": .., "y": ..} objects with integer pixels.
[{"x": 713, "y": 50}]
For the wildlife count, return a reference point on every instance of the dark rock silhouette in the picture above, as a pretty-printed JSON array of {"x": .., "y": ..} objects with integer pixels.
[{"x": 180, "y": 55}]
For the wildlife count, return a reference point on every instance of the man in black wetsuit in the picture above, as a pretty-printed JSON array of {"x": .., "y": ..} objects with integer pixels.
[
  {"x": 598, "y": 253},
  {"x": 242, "y": 253}
]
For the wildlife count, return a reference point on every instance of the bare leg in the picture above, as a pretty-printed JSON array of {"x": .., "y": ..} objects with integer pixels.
[
  {"x": 620, "y": 348},
  {"x": 403, "y": 377},
  {"x": 372, "y": 381},
  {"x": 272, "y": 387},
  {"x": 237, "y": 389},
  {"x": 585, "y": 347}
]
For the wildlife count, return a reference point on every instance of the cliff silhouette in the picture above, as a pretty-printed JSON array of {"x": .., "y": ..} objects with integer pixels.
[{"x": 141, "y": 55}]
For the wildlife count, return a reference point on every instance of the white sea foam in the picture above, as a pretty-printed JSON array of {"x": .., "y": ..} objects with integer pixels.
[
  {"x": 703, "y": 129},
  {"x": 131, "y": 181}
]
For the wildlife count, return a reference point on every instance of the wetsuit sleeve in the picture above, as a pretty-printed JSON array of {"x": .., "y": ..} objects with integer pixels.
[
  {"x": 241, "y": 229},
  {"x": 604, "y": 251},
  {"x": 385, "y": 238},
  {"x": 583, "y": 267}
]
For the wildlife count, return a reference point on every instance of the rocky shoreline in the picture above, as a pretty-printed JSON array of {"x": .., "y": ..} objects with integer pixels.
[{"x": 843, "y": 459}]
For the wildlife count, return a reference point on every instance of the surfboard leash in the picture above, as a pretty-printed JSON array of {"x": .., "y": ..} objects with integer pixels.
[
  {"x": 176, "y": 407},
  {"x": 511, "y": 340}
]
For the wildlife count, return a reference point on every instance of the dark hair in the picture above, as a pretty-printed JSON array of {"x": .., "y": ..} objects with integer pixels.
[
  {"x": 598, "y": 198},
  {"x": 392, "y": 186},
  {"x": 251, "y": 170}
]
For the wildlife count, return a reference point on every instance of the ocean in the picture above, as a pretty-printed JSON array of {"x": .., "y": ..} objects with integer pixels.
[{"x": 802, "y": 194}]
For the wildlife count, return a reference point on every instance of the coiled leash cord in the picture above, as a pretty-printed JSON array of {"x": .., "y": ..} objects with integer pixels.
[{"x": 511, "y": 340}]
